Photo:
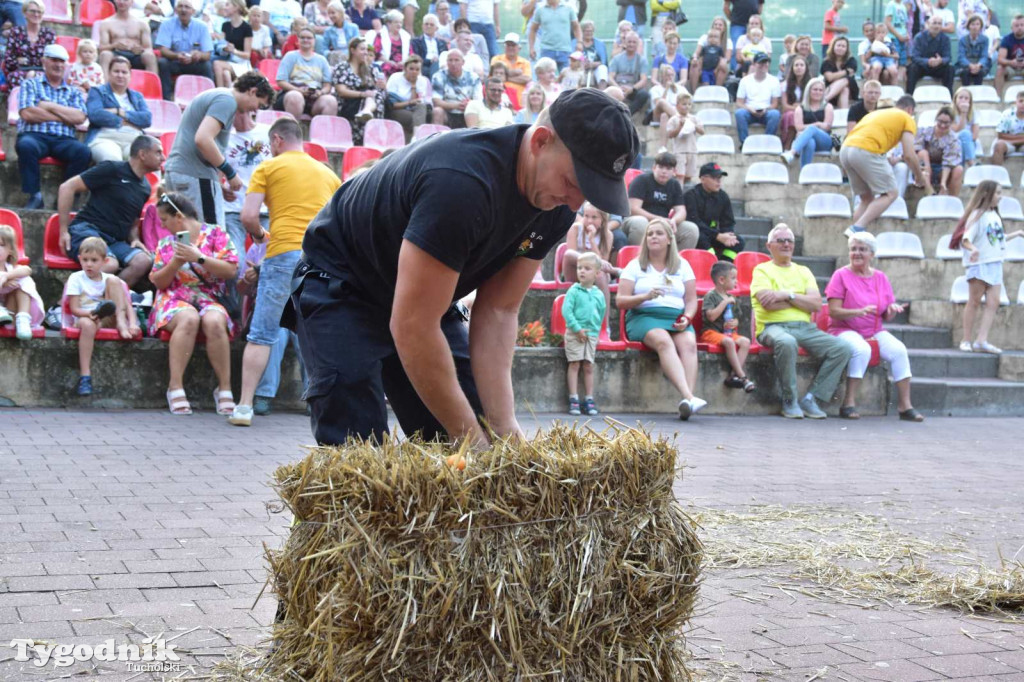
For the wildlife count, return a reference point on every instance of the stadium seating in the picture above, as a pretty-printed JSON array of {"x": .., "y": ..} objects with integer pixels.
[
  {"x": 987, "y": 118},
  {"x": 630, "y": 345},
  {"x": 1020, "y": 294},
  {"x": 821, "y": 174},
  {"x": 166, "y": 116},
  {"x": 166, "y": 142},
  {"x": 316, "y": 151},
  {"x": 1009, "y": 209},
  {"x": 827, "y": 205},
  {"x": 762, "y": 144},
  {"x": 604, "y": 341},
  {"x": 268, "y": 116},
  {"x": 715, "y": 144},
  {"x": 54, "y": 256},
  {"x": 716, "y": 94},
  {"x": 942, "y": 250},
  {"x": 840, "y": 117},
  {"x": 428, "y": 129},
  {"x": 893, "y": 92},
  {"x": 823, "y": 319},
  {"x": 960, "y": 292},
  {"x": 69, "y": 43},
  {"x": 188, "y": 87},
  {"x": 631, "y": 175},
  {"x": 3, "y": 154},
  {"x": 626, "y": 254},
  {"x": 559, "y": 257},
  {"x": 701, "y": 261},
  {"x": 899, "y": 245},
  {"x": 12, "y": 106},
  {"x": 897, "y": 210},
  {"x": 767, "y": 172},
  {"x": 383, "y": 134},
  {"x": 12, "y": 220},
  {"x": 715, "y": 117},
  {"x": 932, "y": 94},
  {"x": 975, "y": 174},
  {"x": 926, "y": 119},
  {"x": 1010, "y": 94},
  {"x": 70, "y": 331},
  {"x": 147, "y": 83},
  {"x": 940, "y": 207},
  {"x": 984, "y": 94},
  {"x": 355, "y": 157},
  {"x": 541, "y": 284},
  {"x": 1015, "y": 250},
  {"x": 268, "y": 67},
  {"x": 92, "y": 11},
  {"x": 745, "y": 263},
  {"x": 333, "y": 133}
]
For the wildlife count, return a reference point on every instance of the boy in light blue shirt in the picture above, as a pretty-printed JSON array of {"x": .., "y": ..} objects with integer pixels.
[{"x": 583, "y": 309}]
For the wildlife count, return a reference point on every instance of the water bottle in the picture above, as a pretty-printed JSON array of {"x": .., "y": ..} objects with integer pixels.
[{"x": 727, "y": 315}]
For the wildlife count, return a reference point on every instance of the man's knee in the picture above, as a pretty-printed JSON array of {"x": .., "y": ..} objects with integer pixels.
[{"x": 687, "y": 235}]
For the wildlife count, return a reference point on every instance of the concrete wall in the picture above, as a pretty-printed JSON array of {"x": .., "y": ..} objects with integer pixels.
[{"x": 1007, "y": 330}]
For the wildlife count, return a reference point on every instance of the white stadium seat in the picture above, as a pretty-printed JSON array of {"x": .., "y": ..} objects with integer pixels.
[
  {"x": 1015, "y": 250},
  {"x": 1009, "y": 209},
  {"x": 984, "y": 93},
  {"x": 840, "y": 118},
  {"x": 893, "y": 92},
  {"x": 959, "y": 292},
  {"x": 711, "y": 93},
  {"x": 1020, "y": 294},
  {"x": 715, "y": 144},
  {"x": 932, "y": 94},
  {"x": 987, "y": 118},
  {"x": 897, "y": 210},
  {"x": 715, "y": 117},
  {"x": 827, "y": 205},
  {"x": 1010, "y": 94},
  {"x": 821, "y": 174},
  {"x": 762, "y": 144},
  {"x": 992, "y": 150},
  {"x": 926, "y": 119},
  {"x": 940, "y": 208},
  {"x": 770, "y": 172},
  {"x": 943, "y": 252},
  {"x": 975, "y": 174},
  {"x": 899, "y": 245}
]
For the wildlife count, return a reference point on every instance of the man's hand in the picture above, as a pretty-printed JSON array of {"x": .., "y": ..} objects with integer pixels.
[
  {"x": 65, "y": 240},
  {"x": 229, "y": 194},
  {"x": 137, "y": 244},
  {"x": 235, "y": 184},
  {"x": 727, "y": 239},
  {"x": 185, "y": 58}
]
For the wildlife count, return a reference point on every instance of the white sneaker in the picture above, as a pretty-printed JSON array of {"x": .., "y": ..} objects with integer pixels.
[
  {"x": 241, "y": 415},
  {"x": 5, "y": 316},
  {"x": 787, "y": 157},
  {"x": 23, "y": 326},
  {"x": 685, "y": 409},
  {"x": 965, "y": 347},
  {"x": 697, "y": 404},
  {"x": 984, "y": 347}
]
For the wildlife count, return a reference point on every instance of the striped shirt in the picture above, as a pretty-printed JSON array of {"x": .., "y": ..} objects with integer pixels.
[{"x": 35, "y": 90}]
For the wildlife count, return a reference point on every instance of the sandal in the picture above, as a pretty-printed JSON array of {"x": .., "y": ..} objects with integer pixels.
[
  {"x": 177, "y": 403},
  {"x": 734, "y": 381},
  {"x": 225, "y": 402},
  {"x": 849, "y": 412},
  {"x": 911, "y": 415},
  {"x": 748, "y": 385}
]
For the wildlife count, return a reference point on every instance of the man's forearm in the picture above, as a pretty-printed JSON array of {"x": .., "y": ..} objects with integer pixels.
[
  {"x": 65, "y": 200},
  {"x": 491, "y": 347}
]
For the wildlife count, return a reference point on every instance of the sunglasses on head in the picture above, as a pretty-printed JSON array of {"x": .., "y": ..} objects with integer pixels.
[{"x": 166, "y": 199}]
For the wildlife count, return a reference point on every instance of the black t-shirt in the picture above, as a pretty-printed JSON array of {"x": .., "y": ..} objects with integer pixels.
[
  {"x": 116, "y": 198},
  {"x": 811, "y": 116},
  {"x": 658, "y": 199},
  {"x": 710, "y": 56},
  {"x": 742, "y": 10},
  {"x": 857, "y": 112},
  {"x": 453, "y": 195},
  {"x": 237, "y": 36}
]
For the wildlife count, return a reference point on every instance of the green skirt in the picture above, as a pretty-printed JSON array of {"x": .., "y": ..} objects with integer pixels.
[{"x": 639, "y": 321}]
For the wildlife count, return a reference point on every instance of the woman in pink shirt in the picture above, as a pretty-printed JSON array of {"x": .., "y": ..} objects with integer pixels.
[{"x": 859, "y": 299}]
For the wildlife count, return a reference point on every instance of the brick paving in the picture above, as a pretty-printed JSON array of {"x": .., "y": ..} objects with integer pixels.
[{"x": 128, "y": 524}]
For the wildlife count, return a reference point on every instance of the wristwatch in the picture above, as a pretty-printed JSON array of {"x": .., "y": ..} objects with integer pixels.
[
  {"x": 201, "y": 260},
  {"x": 792, "y": 296}
]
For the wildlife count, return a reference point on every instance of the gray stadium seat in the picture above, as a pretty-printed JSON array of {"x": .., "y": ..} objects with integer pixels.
[
  {"x": 821, "y": 174},
  {"x": 715, "y": 144},
  {"x": 932, "y": 94},
  {"x": 940, "y": 208},
  {"x": 899, "y": 245},
  {"x": 767, "y": 172},
  {"x": 711, "y": 93},
  {"x": 827, "y": 205},
  {"x": 715, "y": 117},
  {"x": 975, "y": 174},
  {"x": 943, "y": 252}
]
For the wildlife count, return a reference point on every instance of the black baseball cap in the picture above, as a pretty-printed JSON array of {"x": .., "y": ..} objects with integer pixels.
[
  {"x": 712, "y": 169},
  {"x": 599, "y": 133}
]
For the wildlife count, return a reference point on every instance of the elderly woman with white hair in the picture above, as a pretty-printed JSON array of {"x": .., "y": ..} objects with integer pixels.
[
  {"x": 545, "y": 74},
  {"x": 860, "y": 298},
  {"x": 391, "y": 44}
]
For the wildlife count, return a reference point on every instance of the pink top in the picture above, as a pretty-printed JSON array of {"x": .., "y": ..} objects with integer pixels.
[
  {"x": 84, "y": 76},
  {"x": 857, "y": 292}
]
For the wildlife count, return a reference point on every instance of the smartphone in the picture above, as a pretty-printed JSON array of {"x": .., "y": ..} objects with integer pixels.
[{"x": 183, "y": 237}]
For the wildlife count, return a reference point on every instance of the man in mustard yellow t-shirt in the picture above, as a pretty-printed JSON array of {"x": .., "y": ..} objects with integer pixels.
[
  {"x": 863, "y": 157},
  {"x": 784, "y": 295},
  {"x": 517, "y": 68},
  {"x": 295, "y": 186}
]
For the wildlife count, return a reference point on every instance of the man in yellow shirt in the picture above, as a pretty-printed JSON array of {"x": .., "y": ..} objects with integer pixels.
[
  {"x": 785, "y": 295},
  {"x": 863, "y": 157},
  {"x": 517, "y": 68},
  {"x": 295, "y": 187}
]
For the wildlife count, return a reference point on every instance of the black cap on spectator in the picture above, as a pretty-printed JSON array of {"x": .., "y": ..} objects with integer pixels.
[
  {"x": 712, "y": 169},
  {"x": 761, "y": 58},
  {"x": 600, "y": 135}
]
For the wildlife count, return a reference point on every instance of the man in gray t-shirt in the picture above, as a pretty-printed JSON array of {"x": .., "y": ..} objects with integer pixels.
[{"x": 197, "y": 161}]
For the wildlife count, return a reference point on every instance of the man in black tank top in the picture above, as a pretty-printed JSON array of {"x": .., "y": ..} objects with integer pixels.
[{"x": 384, "y": 261}]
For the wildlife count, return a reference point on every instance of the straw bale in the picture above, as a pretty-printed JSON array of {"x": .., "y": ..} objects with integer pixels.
[{"x": 565, "y": 557}]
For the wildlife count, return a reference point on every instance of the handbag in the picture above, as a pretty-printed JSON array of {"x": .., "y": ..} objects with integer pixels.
[{"x": 231, "y": 304}]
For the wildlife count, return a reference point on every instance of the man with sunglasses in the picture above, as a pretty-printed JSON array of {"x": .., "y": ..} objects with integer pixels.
[
  {"x": 489, "y": 113},
  {"x": 784, "y": 296},
  {"x": 196, "y": 160},
  {"x": 383, "y": 263}
]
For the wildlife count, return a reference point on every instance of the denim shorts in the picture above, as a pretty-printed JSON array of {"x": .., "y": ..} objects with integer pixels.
[
  {"x": 122, "y": 251},
  {"x": 989, "y": 273},
  {"x": 274, "y": 288},
  {"x": 886, "y": 62}
]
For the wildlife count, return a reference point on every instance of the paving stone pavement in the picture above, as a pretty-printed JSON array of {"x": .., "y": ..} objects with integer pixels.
[{"x": 129, "y": 524}]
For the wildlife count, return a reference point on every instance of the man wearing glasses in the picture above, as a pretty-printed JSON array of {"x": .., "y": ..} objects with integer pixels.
[
  {"x": 197, "y": 161},
  {"x": 785, "y": 295},
  {"x": 489, "y": 113}
]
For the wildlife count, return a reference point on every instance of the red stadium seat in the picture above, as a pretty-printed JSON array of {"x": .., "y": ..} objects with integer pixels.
[
  {"x": 745, "y": 263},
  {"x": 631, "y": 175},
  {"x": 268, "y": 67},
  {"x": 147, "y": 83},
  {"x": 701, "y": 261},
  {"x": 355, "y": 157},
  {"x": 559, "y": 257},
  {"x": 69, "y": 43},
  {"x": 12, "y": 106},
  {"x": 513, "y": 98},
  {"x": 604, "y": 341},
  {"x": 92, "y": 11},
  {"x": 698, "y": 327},
  {"x": 166, "y": 115},
  {"x": 626, "y": 254},
  {"x": 12, "y": 220},
  {"x": 54, "y": 256},
  {"x": 383, "y": 134},
  {"x": 268, "y": 116},
  {"x": 188, "y": 87},
  {"x": 333, "y": 133},
  {"x": 166, "y": 142},
  {"x": 315, "y": 150},
  {"x": 70, "y": 331},
  {"x": 3, "y": 154},
  {"x": 823, "y": 321},
  {"x": 541, "y": 284},
  {"x": 58, "y": 12},
  {"x": 9, "y": 332},
  {"x": 154, "y": 181},
  {"x": 428, "y": 129}
]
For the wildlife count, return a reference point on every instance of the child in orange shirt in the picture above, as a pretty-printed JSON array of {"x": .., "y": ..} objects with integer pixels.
[{"x": 720, "y": 324}]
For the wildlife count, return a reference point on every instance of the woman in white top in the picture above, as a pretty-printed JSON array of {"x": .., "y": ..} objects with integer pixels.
[
  {"x": 409, "y": 95},
  {"x": 984, "y": 248},
  {"x": 696, "y": 63},
  {"x": 658, "y": 292}
]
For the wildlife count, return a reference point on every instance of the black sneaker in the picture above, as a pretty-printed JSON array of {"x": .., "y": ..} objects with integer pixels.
[
  {"x": 589, "y": 408},
  {"x": 261, "y": 406},
  {"x": 734, "y": 382},
  {"x": 574, "y": 407},
  {"x": 85, "y": 385},
  {"x": 104, "y": 308}
]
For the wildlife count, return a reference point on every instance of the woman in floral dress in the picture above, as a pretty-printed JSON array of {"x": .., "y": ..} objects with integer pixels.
[
  {"x": 25, "y": 45},
  {"x": 357, "y": 81},
  {"x": 190, "y": 276}
]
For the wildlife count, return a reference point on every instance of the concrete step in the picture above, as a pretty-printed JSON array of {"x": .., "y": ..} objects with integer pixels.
[
  {"x": 968, "y": 397},
  {"x": 821, "y": 266},
  {"x": 947, "y": 363},
  {"x": 921, "y": 337},
  {"x": 739, "y": 209},
  {"x": 747, "y": 225}
]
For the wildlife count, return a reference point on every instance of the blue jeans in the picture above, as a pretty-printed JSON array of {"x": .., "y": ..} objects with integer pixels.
[
  {"x": 735, "y": 33},
  {"x": 487, "y": 31},
  {"x": 967, "y": 143},
  {"x": 34, "y": 146},
  {"x": 11, "y": 11},
  {"x": 769, "y": 119},
  {"x": 810, "y": 140},
  {"x": 561, "y": 58},
  {"x": 274, "y": 287},
  {"x": 271, "y": 378}
]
